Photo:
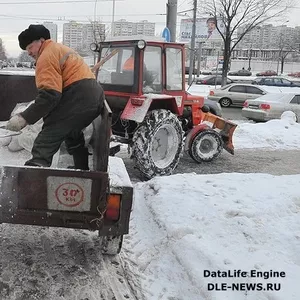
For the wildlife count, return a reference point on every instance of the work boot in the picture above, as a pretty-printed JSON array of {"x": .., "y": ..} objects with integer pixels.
[
  {"x": 81, "y": 159},
  {"x": 33, "y": 164}
]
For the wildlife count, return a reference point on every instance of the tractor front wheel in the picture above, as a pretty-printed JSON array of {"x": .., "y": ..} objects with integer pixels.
[
  {"x": 206, "y": 146},
  {"x": 157, "y": 143}
]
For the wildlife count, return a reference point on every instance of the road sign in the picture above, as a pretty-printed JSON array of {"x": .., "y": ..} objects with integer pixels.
[{"x": 166, "y": 34}]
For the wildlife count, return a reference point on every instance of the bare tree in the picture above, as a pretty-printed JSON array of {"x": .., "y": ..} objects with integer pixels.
[
  {"x": 242, "y": 14},
  {"x": 24, "y": 57},
  {"x": 285, "y": 47},
  {"x": 2, "y": 51},
  {"x": 100, "y": 33}
]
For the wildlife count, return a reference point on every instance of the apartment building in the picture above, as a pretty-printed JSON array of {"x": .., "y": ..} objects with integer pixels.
[
  {"x": 73, "y": 35},
  {"x": 126, "y": 28},
  {"x": 52, "y": 27},
  {"x": 145, "y": 28},
  {"x": 269, "y": 37},
  {"x": 79, "y": 36}
]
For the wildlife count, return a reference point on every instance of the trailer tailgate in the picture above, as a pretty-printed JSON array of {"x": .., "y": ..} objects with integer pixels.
[{"x": 52, "y": 197}]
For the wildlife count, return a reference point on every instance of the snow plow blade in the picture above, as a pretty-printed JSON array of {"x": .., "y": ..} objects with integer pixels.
[{"x": 224, "y": 127}]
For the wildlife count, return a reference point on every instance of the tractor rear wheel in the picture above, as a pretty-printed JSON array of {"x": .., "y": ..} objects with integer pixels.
[
  {"x": 206, "y": 146},
  {"x": 157, "y": 143}
]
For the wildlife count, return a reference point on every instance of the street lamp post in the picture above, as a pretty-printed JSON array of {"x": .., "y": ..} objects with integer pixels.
[
  {"x": 94, "y": 28},
  {"x": 193, "y": 39},
  {"x": 113, "y": 16},
  {"x": 250, "y": 57}
]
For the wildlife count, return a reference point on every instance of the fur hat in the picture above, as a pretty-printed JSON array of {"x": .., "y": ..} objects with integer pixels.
[{"x": 33, "y": 33}]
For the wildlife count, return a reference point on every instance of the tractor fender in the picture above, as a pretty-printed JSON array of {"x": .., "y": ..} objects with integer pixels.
[
  {"x": 138, "y": 106},
  {"x": 190, "y": 136}
]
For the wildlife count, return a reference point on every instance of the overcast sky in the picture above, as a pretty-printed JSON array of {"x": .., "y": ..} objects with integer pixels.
[{"x": 16, "y": 17}]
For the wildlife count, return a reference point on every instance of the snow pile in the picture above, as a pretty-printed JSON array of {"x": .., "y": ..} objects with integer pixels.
[
  {"x": 290, "y": 116},
  {"x": 276, "y": 134},
  {"x": 216, "y": 222},
  {"x": 18, "y": 71},
  {"x": 26, "y": 139}
]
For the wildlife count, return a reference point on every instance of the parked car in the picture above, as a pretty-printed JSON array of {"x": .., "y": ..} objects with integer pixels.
[
  {"x": 275, "y": 81},
  {"x": 295, "y": 74},
  {"x": 217, "y": 71},
  {"x": 214, "y": 107},
  {"x": 212, "y": 80},
  {"x": 242, "y": 72},
  {"x": 235, "y": 94},
  {"x": 271, "y": 106},
  {"x": 267, "y": 73},
  {"x": 214, "y": 71},
  {"x": 187, "y": 70}
]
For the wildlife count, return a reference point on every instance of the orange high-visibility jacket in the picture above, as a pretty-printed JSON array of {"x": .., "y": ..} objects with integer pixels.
[
  {"x": 129, "y": 64},
  {"x": 58, "y": 67}
]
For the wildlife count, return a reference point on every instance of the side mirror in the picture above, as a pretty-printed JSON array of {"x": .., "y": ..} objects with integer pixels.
[{"x": 205, "y": 109}]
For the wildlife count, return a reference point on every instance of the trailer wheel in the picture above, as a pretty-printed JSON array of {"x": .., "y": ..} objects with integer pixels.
[
  {"x": 206, "y": 146},
  {"x": 157, "y": 143},
  {"x": 111, "y": 245}
]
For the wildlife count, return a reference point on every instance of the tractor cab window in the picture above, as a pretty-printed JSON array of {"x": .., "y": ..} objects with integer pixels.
[
  {"x": 174, "y": 69},
  {"x": 152, "y": 70},
  {"x": 117, "y": 66}
]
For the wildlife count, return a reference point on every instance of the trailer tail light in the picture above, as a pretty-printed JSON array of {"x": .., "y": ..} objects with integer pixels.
[
  {"x": 137, "y": 101},
  {"x": 204, "y": 82},
  {"x": 113, "y": 207},
  {"x": 264, "y": 106},
  {"x": 211, "y": 93},
  {"x": 246, "y": 104}
]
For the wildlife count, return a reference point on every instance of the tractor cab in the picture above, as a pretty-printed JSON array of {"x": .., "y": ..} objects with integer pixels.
[
  {"x": 141, "y": 67},
  {"x": 144, "y": 85}
]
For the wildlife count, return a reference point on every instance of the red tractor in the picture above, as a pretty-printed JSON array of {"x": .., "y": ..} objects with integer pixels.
[{"x": 144, "y": 83}]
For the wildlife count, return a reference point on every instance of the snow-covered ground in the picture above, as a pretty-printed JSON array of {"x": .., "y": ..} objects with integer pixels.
[
  {"x": 18, "y": 71},
  {"x": 183, "y": 228},
  {"x": 185, "y": 224},
  {"x": 275, "y": 134}
]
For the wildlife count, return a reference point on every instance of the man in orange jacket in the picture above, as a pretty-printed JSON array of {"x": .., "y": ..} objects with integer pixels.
[
  {"x": 69, "y": 99},
  {"x": 129, "y": 67},
  {"x": 129, "y": 64}
]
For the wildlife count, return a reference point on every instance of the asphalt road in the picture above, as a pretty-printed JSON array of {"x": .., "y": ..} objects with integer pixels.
[
  {"x": 283, "y": 162},
  {"x": 243, "y": 161},
  {"x": 232, "y": 113}
]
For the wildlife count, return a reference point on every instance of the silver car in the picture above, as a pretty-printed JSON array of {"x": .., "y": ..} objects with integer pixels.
[
  {"x": 214, "y": 107},
  {"x": 235, "y": 94},
  {"x": 271, "y": 106}
]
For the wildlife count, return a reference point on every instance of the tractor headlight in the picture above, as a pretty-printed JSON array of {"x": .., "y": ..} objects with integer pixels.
[
  {"x": 94, "y": 46},
  {"x": 141, "y": 44}
]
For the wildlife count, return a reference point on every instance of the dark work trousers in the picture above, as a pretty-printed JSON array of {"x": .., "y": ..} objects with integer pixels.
[{"x": 80, "y": 104}]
